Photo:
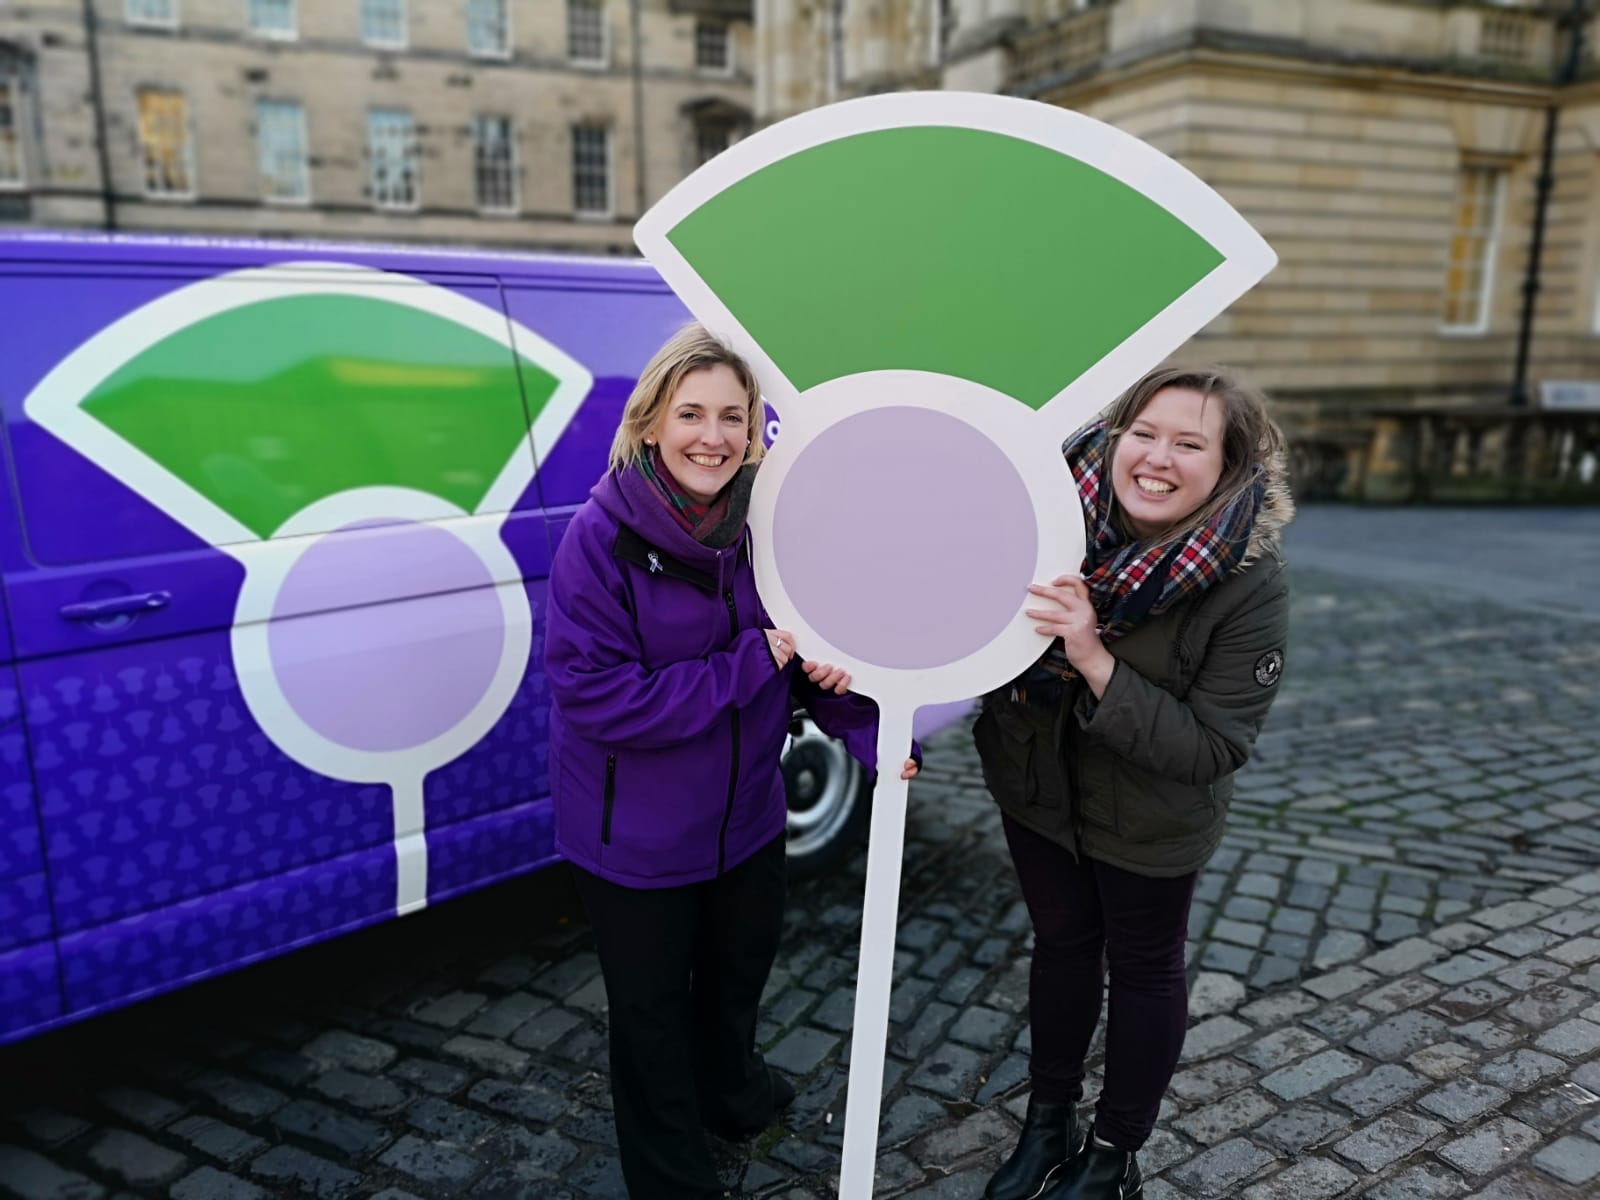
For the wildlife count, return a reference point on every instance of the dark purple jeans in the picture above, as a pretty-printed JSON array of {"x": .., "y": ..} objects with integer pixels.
[{"x": 1088, "y": 915}]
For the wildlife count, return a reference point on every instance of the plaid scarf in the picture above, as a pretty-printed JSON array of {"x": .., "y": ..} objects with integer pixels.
[
  {"x": 698, "y": 520},
  {"x": 1131, "y": 580}
]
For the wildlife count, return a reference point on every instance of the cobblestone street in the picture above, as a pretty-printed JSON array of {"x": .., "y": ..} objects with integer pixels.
[{"x": 1396, "y": 965}]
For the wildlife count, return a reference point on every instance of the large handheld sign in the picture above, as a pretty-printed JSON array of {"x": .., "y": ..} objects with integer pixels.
[{"x": 934, "y": 290}]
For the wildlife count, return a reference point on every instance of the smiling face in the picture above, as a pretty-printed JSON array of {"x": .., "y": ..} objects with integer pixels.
[
  {"x": 705, "y": 431},
  {"x": 1167, "y": 462}
]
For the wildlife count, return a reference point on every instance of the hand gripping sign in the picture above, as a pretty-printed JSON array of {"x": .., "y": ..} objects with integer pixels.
[{"x": 934, "y": 290}]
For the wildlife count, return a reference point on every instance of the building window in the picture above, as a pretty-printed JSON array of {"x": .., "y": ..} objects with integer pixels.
[
  {"x": 489, "y": 28},
  {"x": 164, "y": 148},
  {"x": 272, "y": 18},
  {"x": 151, "y": 12},
  {"x": 383, "y": 23},
  {"x": 281, "y": 146},
  {"x": 711, "y": 138},
  {"x": 586, "y": 32},
  {"x": 11, "y": 172},
  {"x": 591, "y": 170},
  {"x": 713, "y": 46},
  {"x": 1474, "y": 235},
  {"x": 494, "y": 156},
  {"x": 392, "y": 148}
]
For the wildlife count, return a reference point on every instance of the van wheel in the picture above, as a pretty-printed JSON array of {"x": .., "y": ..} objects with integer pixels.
[{"x": 830, "y": 800}]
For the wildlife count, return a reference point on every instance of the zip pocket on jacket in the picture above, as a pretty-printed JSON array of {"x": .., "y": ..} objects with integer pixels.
[{"x": 610, "y": 799}]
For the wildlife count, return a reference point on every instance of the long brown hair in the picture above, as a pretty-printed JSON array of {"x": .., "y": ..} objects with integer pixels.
[
  {"x": 691, "y": 349},
  {"x": 1250, "y": 437}
]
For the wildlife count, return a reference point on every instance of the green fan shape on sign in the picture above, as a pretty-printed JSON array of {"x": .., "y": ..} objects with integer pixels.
[
  {"x": 271, "y": 406},
  {"x": 986, "y": 250}
]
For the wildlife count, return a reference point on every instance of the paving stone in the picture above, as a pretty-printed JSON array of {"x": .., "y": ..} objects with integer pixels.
[
  {"x": 139, "y": 1107},
  {"x": 1281, "y": 1047},
  {"x": 1490, "y": 1035},
  {"x": 208, "y": 1183},
  {"x": 341, "y": 1049},
  {"x": 1470, "y": 1000},
  {"x": 217, "y": 1139},
  {"x": 1461, "y": 1100},
  {"x": 1507, "y": 916},
  {"x": 1311, "y": 1075},
  {"x": 1520, "y": 1069},
  {"x": 1314, "y": 1179},
  {"x": 238, "y": 1097},
  {"x": 50, "y": 1127},
  {"x": 32, "y": 1176},
  {"x": 1490, "y": 1147},
  {"x": 984, "y": 1130},
  {"x": 336, "y": 1133},
  {"x": 929, "y": 1028},
  {"x": 950, "y": 1071},
  {"x": 1220, "y": 1170},
  {"x": 503, "y": 1017},
  {"x": 525, "y": 1102},
  {"x": 1387, "y": 1140},
  {"x": 1383, "y": 1088},
  {"x": 430, "y": 1076},
  {"x": 1571, "y": 1159},
  {"x": 910, "y": 1116},
  {"x": 488, "y": 1055},
  {"x": 1425, "y": 1181},
  {"x": 1545, "y": 1005},
  {"x": 1212, "y": 1036},
  {"x": 1471, "y": 964},
  {"x": 1402, "y": 957},
  {"x": 135, "y": 1160},
  {"x": 543, "y": 1030},
  {"x": 1217, "y": 1122},
  {"x": 1213, "y": 993},
  {"x": 366, "y": 1092},
  {"x": 1576, "y": 952},
  {"x": 1340, "y": 983},
  {"x": 1301, "y": 1127},
  {"x": 1398, "y": 1036},
  {"x": 1273, "y": 1010},
  {"x": 1339, "y": 1022},
  {"x": 444, "y": 1171},
  {"x": 293, "y": 1167},
  {"x": 1519, "y": 943},
  {"x": 1209, "y": 1080},
  {"x": 1409, "y": 992},
  {"x": 1555, "y": 1106},
  {"x": 448, "y": 1122},
  {"x": 1576, "y": 1038},
  {"x": 802, "y": 1051}
]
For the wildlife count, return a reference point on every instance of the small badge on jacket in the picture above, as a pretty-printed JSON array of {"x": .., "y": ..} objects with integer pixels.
[{"x": 1269, "y": 667}]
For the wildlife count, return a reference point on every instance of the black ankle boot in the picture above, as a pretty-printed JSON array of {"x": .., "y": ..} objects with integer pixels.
[
  {"x": 1049, "y": 1138},
  {"x": 1099, "y": 1173}
]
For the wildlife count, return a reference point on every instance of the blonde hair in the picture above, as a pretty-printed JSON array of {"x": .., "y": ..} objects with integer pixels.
[
  {"x": 691, "y": 349},
  {"x": 1252, "y": 443}
]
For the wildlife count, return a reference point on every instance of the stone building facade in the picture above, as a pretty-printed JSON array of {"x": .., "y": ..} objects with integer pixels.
[
  {"x": 1390, "y": 150},
  {"x": 530, "y": 123}
]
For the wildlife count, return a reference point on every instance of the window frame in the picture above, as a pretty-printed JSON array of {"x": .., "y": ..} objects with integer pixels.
[
  {"x": 187, "y": 147},
  {"x": 594, "y": 214},
  {"x": 501, "y": 53},
  {"x": 724, "y": 68},
  {"x": 513, "y": 180},
  {"x": 411, "y": 158},
  {"x": 598, "y": 7},
  {"x": 11, "y": 80},
  {"x": 403, "y": 21},
  {"x": 273, "y": 33},
  {"x": 304, "y": 199},
  {"x": 132, "y": 15},
  {"x": 1490, "y": 234}
]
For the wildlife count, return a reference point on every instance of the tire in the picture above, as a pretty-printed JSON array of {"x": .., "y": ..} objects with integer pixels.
[{"x": 830, "y": 800}]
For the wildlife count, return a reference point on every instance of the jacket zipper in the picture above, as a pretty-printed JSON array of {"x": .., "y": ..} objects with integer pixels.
[
  {"x": 733, "y": 767},
  {"x": 610, "y": 799}
]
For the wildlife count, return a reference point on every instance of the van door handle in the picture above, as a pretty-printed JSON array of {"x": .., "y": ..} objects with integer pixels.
[{"x": 117, "y": 606}]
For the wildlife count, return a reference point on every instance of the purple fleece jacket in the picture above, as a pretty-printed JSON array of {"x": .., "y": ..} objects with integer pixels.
[{"x": 669, "y": 712}]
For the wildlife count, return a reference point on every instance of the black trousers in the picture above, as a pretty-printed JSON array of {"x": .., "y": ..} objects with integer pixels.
[
  {"x": 1086, "y": 915},
  {"x": 684, "y": 970}
]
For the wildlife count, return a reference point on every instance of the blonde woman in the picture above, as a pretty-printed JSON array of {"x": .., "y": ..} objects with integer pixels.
[{"x": 672, "y": 699}]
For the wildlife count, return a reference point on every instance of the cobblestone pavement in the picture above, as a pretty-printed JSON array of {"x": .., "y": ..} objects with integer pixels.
[{"x": 1397, "y": 980}]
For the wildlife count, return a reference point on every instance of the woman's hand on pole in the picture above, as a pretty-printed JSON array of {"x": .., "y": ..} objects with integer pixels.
[
  {"x": 827, "y": 677},
  {"x": 781, "y": 643},
  {"x": 1075, "y": 622}
]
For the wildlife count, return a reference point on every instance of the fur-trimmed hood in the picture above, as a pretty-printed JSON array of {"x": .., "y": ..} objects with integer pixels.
[{"x": 1277, "y": 510}]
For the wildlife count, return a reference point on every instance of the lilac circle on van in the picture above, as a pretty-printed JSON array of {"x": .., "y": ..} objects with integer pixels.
[
  {"x": 397, "y": 637},
  {"x": 905, "y": 537}
]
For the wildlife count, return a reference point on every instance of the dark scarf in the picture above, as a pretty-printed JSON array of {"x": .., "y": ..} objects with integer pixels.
[
  {"x": 1132, "y": 580},
  {"x": 717, "y": 524}
]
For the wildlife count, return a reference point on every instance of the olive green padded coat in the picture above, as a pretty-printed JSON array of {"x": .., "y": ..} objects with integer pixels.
[{"x": 1142, "y": 778}]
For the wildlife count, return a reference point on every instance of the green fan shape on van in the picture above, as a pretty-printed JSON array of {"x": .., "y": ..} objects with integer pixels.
[
  {"x": 268, "y": 407},
  {"x": 994, "y": 259}
]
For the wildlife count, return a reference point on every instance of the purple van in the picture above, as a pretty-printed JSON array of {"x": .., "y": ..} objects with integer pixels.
[{"x": 274, "y": 548}]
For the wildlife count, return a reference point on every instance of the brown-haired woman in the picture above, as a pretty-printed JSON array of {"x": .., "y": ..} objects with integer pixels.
[{"x": 1113, "y": 759}]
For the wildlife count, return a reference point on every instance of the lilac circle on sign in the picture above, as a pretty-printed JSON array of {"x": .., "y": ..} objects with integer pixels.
[
  {"x": 371, "y": 664},
  {"x": 905, "y": 537}
]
